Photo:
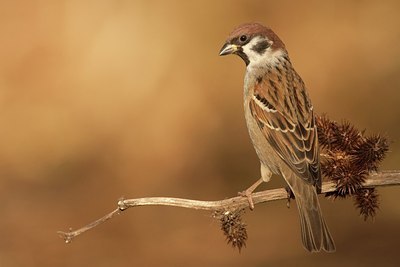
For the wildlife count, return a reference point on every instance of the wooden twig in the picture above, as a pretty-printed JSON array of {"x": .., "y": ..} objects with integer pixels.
[{"x": 385, "y": 178}]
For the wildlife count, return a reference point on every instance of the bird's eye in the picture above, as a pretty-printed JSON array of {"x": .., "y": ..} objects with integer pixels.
[{"x": 243, "y": 38}]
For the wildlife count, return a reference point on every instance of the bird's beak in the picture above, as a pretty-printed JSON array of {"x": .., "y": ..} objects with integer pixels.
[{"x": 228, "y": 49}]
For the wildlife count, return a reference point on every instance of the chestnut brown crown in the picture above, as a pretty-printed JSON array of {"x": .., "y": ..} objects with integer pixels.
[{"x": 251, "y": 30}]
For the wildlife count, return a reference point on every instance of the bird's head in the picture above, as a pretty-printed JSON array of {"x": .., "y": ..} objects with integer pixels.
[{"x": 254, "y": 43}]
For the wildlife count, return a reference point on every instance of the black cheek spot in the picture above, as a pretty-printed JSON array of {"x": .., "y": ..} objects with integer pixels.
[
  {"x": 241, "y": 54},
  {"x": 260, "y": 47},
  {"x": 259, "y": 79}
]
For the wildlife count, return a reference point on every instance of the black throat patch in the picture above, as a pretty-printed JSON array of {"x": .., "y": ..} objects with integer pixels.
[
  {"x": 241, "y": 54},
  {"x": 260, "y": 47}
]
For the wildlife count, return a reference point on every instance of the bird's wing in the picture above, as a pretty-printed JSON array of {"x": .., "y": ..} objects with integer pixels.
[{"x": 283, "y": 111}]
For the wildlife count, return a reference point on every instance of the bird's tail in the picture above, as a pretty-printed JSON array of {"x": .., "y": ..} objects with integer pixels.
[{"x": 314, "y": 232}]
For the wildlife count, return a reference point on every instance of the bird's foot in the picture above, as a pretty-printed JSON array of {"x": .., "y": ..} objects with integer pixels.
[
  {"x": 247, "y": 194},
  {"x": 290, "y": 196}
]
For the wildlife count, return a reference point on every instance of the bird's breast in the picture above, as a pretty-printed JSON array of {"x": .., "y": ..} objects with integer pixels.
[{"x": 267, "y": 155}]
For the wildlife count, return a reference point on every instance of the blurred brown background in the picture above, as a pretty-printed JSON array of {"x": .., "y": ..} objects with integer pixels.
[{"x": 103, "y": 99}]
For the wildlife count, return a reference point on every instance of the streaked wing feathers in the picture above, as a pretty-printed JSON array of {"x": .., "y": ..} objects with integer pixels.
[{"x": 283, "y": 111}]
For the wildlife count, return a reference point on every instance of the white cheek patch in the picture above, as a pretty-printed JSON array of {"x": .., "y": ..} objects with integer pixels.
[
  {"x": 251, "y": 54},
  {"x": 256, "y": 59}
]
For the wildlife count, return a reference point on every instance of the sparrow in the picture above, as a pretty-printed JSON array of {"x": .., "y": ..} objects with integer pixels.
[{"x": 281, "y": 124}]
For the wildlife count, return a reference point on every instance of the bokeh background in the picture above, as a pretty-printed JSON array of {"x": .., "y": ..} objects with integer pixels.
[{"x": 104, "y": 99}]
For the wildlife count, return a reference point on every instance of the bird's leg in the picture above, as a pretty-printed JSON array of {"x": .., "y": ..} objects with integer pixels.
[{"x": 247, "y": 193}]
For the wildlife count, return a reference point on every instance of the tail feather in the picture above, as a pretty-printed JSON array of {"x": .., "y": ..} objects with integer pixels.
[
  {"x": 328, "y": 243},
  {"x": 314, "y": 231}
]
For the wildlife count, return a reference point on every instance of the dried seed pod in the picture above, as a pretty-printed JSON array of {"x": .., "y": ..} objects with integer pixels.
[
  {"x": 348, "y": 157},
  {"x": 332, "y": 161},
  {"x": 370, "y": 152},
  {"x": 338, "y": 167},
  {"x": 348, "y": 180},
  {"x": 347, "y": 137},
  {"x": 327, "y": 131},
  {"x": 367, "y": 201},
  {"x": 233, "y": 227}
]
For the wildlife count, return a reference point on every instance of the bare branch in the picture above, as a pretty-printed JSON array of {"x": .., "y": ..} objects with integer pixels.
[
  {"x": 385, "y": 178},
  {"x": 68, "y": 236}
]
